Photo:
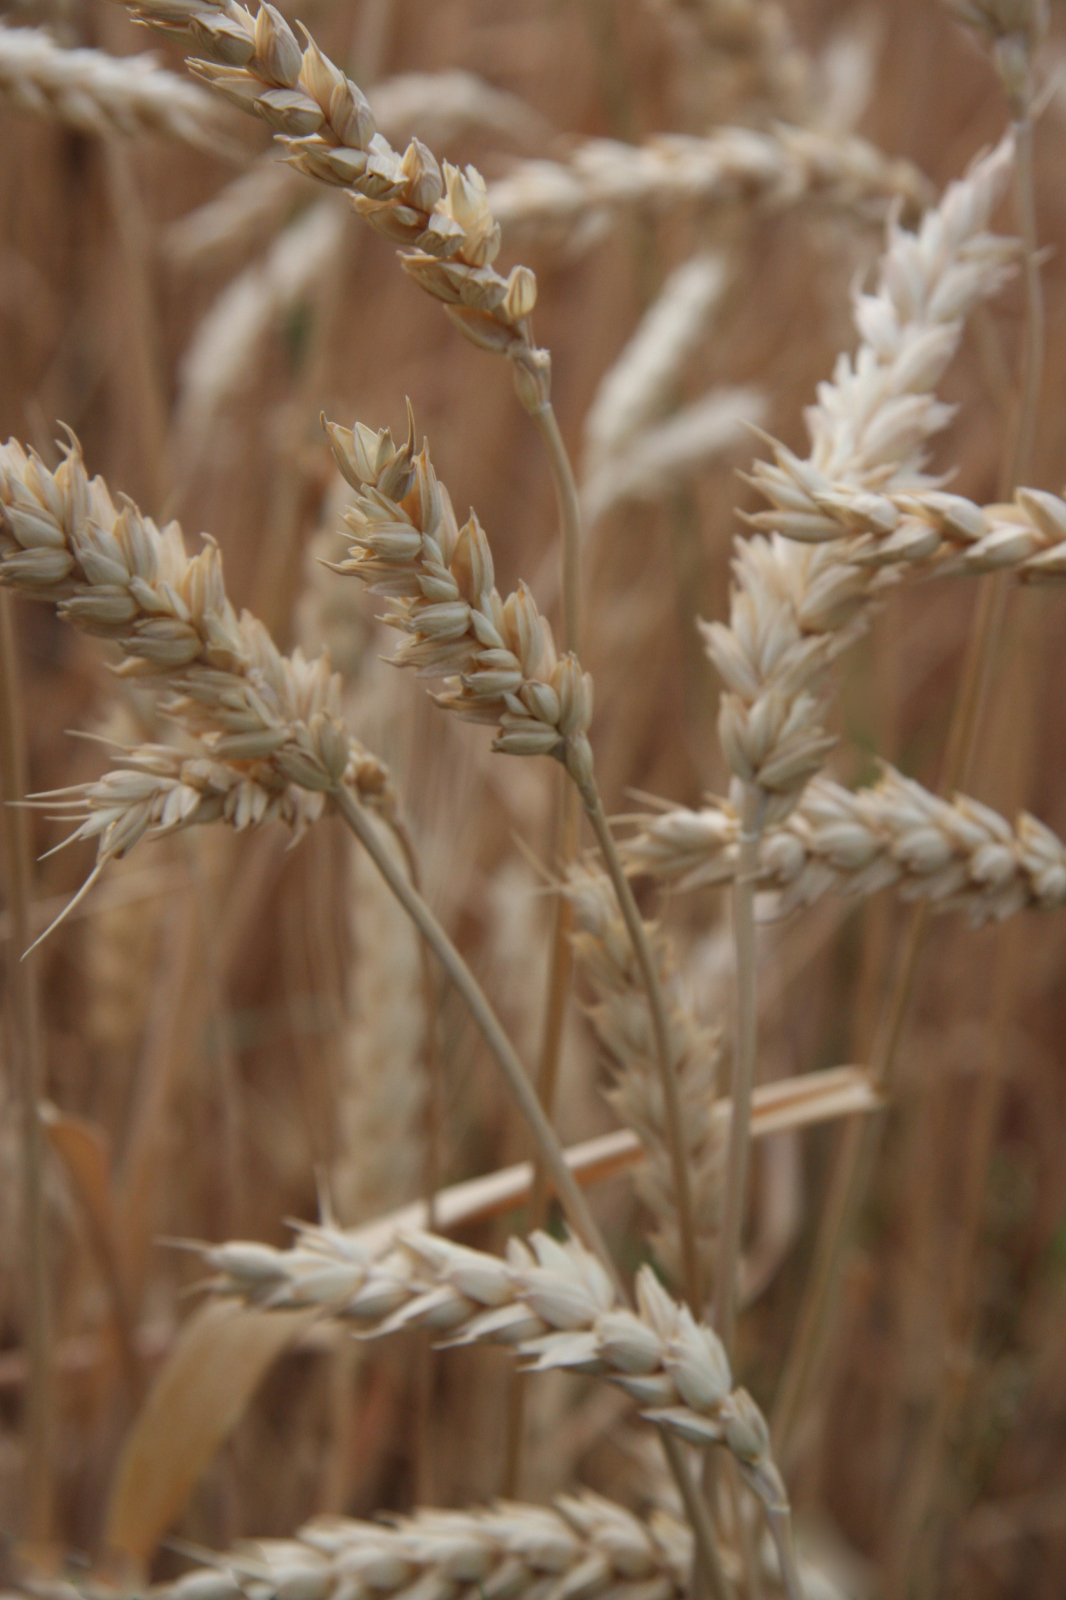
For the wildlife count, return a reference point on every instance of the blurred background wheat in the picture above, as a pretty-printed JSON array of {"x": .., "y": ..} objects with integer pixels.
[{"x": 235, "y": 1033}]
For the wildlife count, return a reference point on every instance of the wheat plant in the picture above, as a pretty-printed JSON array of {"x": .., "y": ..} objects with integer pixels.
[{"x": 643, "y": 1339}]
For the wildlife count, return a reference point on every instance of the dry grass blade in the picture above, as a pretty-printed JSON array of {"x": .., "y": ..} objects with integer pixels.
[
  {"x": 780, "y": 1107},
  {"x": 195, "y": 1402}
]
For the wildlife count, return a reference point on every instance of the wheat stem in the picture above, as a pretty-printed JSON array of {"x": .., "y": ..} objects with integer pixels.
[
  {"x": 725, "y": 1286},
  {"x": 566, "y": 495},
  {"x": 708, "y": 1562},
  {"x": 26, "y": 1047},
  {"x": 657, "y": 1005},
  {"x": 570, "y": 1196}
]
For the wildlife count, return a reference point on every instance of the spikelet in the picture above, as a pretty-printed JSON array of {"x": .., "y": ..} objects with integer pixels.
[
  {"x": 959, "y": 855},
  {"x": 929, "y": 528},
  {"x": 437, "y": 107},
  {"x": 622, "y": 1021}
]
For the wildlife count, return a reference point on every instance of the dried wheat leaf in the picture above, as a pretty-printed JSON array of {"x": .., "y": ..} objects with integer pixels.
[{"x": 196, "y": 1401}]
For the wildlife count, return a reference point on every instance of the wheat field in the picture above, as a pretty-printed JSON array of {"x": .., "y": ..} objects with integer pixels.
[{"x": 577, "y": 1119}]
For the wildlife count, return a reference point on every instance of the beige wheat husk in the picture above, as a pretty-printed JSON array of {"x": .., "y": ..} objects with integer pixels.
[
  {"x": 442, "y": 219},
  {"x": 604, "y": 178}
]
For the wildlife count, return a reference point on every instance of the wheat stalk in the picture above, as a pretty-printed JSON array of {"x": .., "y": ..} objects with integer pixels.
[
  {"x": 604, "y": 178},
  {"x": 97, "y": 93},
  {"x": 960, "y": 855},
  {"x": 623, "y": 1024}
]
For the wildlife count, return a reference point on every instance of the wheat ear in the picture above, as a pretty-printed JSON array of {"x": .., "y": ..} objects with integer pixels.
[
  {"x": 604, "y": 178},
  {"x": 328, "y": 130},
  {"x": 267, "y": 724},
  {"x": 959, "y": 855},
  {"x": 584, "y": 1544},
  {"x": 551, "y": 1302},
  {"x": 98, "y": 93}
]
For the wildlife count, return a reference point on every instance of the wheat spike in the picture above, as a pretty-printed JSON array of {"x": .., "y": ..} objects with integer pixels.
[
  {"x": 604, "y": 178},
  {"x": 795, "y": 607},
  {"x": 958, "y": 854},
  {"x": 623, "y": 1025},
  {"x": 893, "y": 529},
  {"x": 552, "y": 1302},
  {"x": 323, "y": 119},
  {"x": 97, "y": 93},
  {"x": 584, "y": 1545},
  {"x": 267, "y": 738},
  {"x": 437, "y": 107},
  {"x": 439, "y": 580}
]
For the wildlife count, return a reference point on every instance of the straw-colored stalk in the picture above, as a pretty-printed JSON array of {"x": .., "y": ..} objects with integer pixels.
[{"x": 24, "y": 1041}]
